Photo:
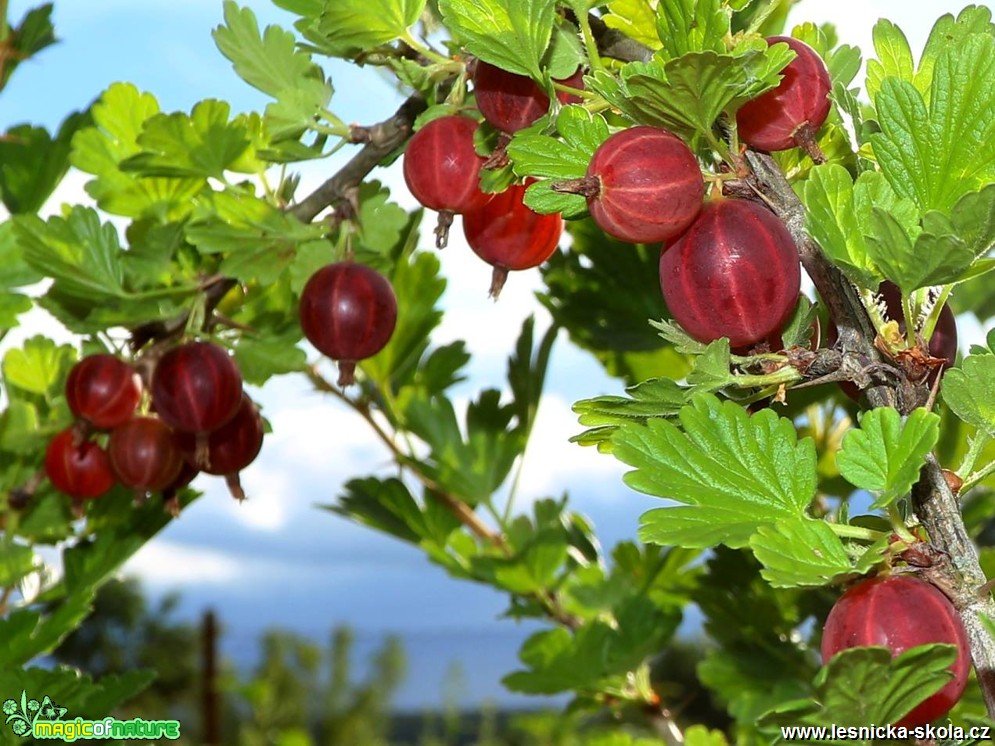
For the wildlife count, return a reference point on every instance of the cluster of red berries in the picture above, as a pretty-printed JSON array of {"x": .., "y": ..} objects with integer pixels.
[
  {"x": 730, "y": 267},
  {"x": 199, "y": 420}
]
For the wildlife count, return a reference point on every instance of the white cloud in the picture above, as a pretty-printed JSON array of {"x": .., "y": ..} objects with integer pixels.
[
  {"x": 165, "y": 563},
  {"x": 554, "y": 464}
]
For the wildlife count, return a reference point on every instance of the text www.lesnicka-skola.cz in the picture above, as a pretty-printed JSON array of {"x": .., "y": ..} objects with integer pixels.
[{"x": 864, "y": 732}]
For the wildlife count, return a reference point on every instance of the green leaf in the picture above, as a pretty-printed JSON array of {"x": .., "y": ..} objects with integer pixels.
[
  {"x": 564, "y": 157},
  {"x": 866, "y": 685},
  {"x": 886, "y": 454},
  {"x": 894, "y": 57},
  {"x": 512, "y": 34},
  {"x": 79, "y": 252},
  {"x": 346, "y": 27},
  {"x": 832, "y": 220},
  {"x": 711, "y": 368},
  {"x": 16, "y": 561},
  {"x": 596, "y": 656},
  {"x": 947, "y": 247},
  {"x": 202, "y": 145},
  {"x": 118, "y": 119},
  {"x": 969, "y": 391},
  {"x": 30, "y": 36},
  {"x": 385, "y": 505},
  {"x": 803, "y": 552},
  {"x": 28, "y": 634},
  {"x": 656, "y": 397},
  {"x": 40, "y": 367},
  {"x": 734, "y": 472},
  {"x": 948, "y": 32},
  {"x": 700, "y": 735},
  {"x": 936, "y": 153},
  {"x": 273, "y": 355},
  {"x": 269, "y": 61},
  {"x": 566, "y": 51},
  {"x": 527, "y": 372},
  {"x": 692, "y": 26},
  {"x": 258, "y": 241},
  {"x": 381, "y": 222},
  {"x": 541, "y": 198},
  {"x": 272, "y": 63},
  {"x": 635, "y": 19},
  {"x": 34, "y": 163},
  {"x": 688, "y": 93},
  {"x": 66, "y": 687}
]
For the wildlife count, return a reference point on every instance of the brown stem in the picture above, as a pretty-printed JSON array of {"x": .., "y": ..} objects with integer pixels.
[
  {"x": 214, "y": 288},
  {"x": 586, "y": 186},
  {"x": 498, "y": 277},
  {"x": 933, "y": 501},
  {"x": 381, "y": 140},
  {"x": 613, "y": 43},
  {"x": 459, "y": 508}
]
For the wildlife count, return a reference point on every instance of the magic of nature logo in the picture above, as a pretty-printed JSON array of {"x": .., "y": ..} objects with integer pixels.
[{"x": 45, "y": 720}]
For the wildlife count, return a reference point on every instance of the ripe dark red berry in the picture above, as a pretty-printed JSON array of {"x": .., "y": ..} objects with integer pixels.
[
  {"x": 643, "y": 185},
  {"x": 511, "y": 102},
  {"x": 196, "y": 387},
  {"x": 230, "y": 448},
  {"x": 734, "y": 273},
  {"x": 777, "y": 119},
  {"x": 348, "y": 312},
  {"x": 103, "y": 390},
  {"x": 442, "y": 170},
  {"x": 508, "y": 235},
  {"x": 900, "y": 612},
  {"x": 82, "y": 471},
  {"x": 144, "y": 454}
]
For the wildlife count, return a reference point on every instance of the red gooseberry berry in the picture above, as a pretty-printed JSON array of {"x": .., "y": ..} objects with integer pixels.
[
  {"x": 144, "y": 454},
  {"x": 196, "y": 387},
  {"x": 791, "y": 113},
  {"x": 348, "y": 312},
  {"x": 510, "y": 102},
  {"x": 79, "y": 469},
  {"x": 103, "y": 390},
  {"x": 232, "y": 447},
  {"x": 442, "y": 170},
  {"x": 734, "y": 273},
  {"x": 643, "y": 185},
  {"x": 900, "y": 612},
  {"x": 509, "y": 235}
]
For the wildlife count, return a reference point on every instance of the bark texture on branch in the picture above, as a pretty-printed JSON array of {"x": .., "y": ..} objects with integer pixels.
[
  {"x": 381, "y": 140},
  {"x": 959, "y": 573}
]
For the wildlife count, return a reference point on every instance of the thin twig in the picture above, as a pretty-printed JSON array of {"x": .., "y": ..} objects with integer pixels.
[
  {"x": 381, "y": 140},
  {"x": 546, "y": 598}
]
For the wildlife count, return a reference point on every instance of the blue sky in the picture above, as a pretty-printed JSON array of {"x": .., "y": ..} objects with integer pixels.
[{"x": 277, "y": 560}]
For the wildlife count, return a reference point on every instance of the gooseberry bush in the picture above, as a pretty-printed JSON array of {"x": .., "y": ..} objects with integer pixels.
[{"x": 701, "y": 189}]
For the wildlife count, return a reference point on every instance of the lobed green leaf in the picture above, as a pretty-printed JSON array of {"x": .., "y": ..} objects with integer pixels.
[
  {"x": 512, "y": 34},
  {"x": 969, "y": 391},
  {"x": 886, "y": 453},
  {"x": 733, "y": 472}
]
